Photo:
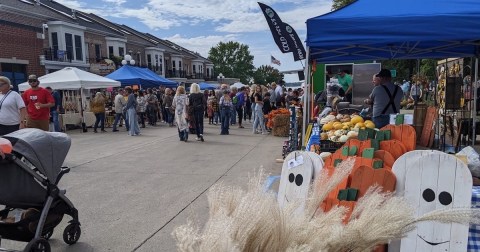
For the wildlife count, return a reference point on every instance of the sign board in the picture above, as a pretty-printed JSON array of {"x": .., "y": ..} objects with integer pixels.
[
  {"x": 393, "y": 72},
  {"x": 61, "y": 54},
  {"x": 362, "y": 80},
  {"x": 102, "y": 69},
  {"x": 407, "y": 119}
]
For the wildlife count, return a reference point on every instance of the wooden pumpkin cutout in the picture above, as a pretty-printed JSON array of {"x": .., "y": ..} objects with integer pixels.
[
  {"x": 353, "y": 142},
  {"x": 365, "y": 176},
  {"x": 432, "y": 180},
  {"x": 405, "y": 134},
  {"x": 395, "y": 147},
  {"x": 386, "y": 157}
]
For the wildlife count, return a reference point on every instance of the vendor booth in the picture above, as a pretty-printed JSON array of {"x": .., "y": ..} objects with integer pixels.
[
  {"x": 369, "y": 30},
  {"x": 74, "y": 85},
  {"x": 378, "y": 30},
  {"x": 131, "y": 75}
]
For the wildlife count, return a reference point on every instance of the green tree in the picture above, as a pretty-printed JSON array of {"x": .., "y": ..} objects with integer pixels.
[
  {"x": 267, "y": 74},
  {"x": 427, "y": 68},
  {"x": 337, "y": 4},
  {"x": 233, "y": 60}
]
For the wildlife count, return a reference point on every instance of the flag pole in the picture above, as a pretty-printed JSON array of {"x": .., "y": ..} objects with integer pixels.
[{"x": 306, "y": 94}]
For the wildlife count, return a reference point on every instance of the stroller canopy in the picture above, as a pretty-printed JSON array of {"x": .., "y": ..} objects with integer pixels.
[{"x": 46, "y": 150}]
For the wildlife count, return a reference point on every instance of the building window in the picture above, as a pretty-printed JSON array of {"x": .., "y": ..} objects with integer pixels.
[
  {"x": 110, "y": 52},
  {"x": 208, "y": 72},
  {"x": 78, "y": 48},
  {"x": 55, "y": 41},
  {"x": 173, "y": 65},
  {"x": 69, "y": 45},
  {"x": 17, "y": 73},
  {"x": 98, "y": 52},
  {"x": 180, "y": 65},
  {"x": 156, "y": 62},
  {"x": 160, "y": 67},
  {"x": 149, "y": 61},
  {"x": 121, "y": 51},
  {"x": 194, "y": 70}
]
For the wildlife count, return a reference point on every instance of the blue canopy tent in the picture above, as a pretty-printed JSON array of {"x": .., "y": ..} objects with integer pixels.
[
  {"x": 130, "y": 75},
  {"x": 207, "y": 86},
  {"x": 387, "y": 29}
]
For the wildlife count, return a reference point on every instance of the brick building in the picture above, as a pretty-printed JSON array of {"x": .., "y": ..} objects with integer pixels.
[{"x": 43, "y": 36}]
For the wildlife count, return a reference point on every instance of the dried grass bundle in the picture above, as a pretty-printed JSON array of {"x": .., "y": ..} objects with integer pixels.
[{"x": 251, "y": 220}]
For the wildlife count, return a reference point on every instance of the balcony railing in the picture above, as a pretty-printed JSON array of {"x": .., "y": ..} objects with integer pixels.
[
  {"x": 155, "y": 69},
  {"x": 175, "y": 74},
  {"x": 57, "y": 55}
]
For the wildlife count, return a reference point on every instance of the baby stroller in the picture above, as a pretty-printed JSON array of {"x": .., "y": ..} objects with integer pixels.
[{"x": 28, "y": 186}]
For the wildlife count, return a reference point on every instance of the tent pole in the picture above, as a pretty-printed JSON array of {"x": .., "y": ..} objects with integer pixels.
[
  {"x": 306, "y": 93},
  {"x": 474, "y": 113}
]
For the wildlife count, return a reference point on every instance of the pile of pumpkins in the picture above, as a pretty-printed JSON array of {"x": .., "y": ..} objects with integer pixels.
[{"x": 340, "y": 128}]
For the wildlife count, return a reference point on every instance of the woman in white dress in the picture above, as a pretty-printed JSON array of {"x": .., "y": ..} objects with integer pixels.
[{"x": 180, "y": 103}]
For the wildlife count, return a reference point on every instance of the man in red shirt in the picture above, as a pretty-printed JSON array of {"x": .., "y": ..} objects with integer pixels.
[{"x": 38, "y": 102}]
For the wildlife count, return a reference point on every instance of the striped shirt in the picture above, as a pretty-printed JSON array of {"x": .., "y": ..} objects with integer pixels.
[{"x": 225, "y": 103}]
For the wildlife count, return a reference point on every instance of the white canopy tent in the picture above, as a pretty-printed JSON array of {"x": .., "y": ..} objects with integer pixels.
[
  {"x": 72, "y": 78},
  {"x": 237, "y": 85}
]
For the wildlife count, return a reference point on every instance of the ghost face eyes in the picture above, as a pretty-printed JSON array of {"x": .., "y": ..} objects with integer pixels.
[
  {"x": 297, "y": 179},
  {"x": 445, "y": 198}
]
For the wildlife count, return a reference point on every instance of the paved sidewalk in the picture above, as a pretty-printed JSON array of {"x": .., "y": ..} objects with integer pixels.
[{"x": 132, "y": 191}]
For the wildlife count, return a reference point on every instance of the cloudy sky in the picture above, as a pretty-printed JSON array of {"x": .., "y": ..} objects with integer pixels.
[{"x": 200, "y": 24}]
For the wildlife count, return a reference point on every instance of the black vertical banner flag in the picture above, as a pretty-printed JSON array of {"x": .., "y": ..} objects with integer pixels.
[
  {"x": 284, "y": 35},
  {"x": 276, "y": 27},
  {"x": 295, "y": 43}
]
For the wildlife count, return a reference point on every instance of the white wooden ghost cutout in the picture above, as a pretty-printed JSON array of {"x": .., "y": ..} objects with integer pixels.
[
  {"x": 432, "y": 180},
  {"x": 297, "y": 175}
]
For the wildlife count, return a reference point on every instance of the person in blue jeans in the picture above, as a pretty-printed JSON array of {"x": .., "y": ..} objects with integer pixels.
[
  {"x": 226, "y": 107},
  {"x": 55, "y": 110},
  {"x": 233, "y": 111},
  {"x": 118, "y": 104},
  {"x": 258, "y": 118}
]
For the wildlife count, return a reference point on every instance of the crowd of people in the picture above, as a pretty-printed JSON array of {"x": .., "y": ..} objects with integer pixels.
[{"x": 227, "y": 106}]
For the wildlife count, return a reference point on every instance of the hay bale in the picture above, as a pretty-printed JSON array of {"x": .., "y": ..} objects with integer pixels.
[
  {"x": 281, "y": 120},
  {"x": 281, "y": 131}
]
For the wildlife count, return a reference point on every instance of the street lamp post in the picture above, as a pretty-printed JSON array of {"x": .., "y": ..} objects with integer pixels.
[
  {"x": 220, "y": 77},
  {"x": 127, "y": 60}
]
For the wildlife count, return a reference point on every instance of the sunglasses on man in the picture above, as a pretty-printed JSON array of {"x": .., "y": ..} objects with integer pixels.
[{"x": 30, "y": 81}]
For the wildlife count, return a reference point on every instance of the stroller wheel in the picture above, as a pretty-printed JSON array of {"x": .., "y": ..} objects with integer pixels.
[
  {"x": 38, "y": 245},
  {"x": 72, "y": 233},
  {"x": 48, "y": 234}
]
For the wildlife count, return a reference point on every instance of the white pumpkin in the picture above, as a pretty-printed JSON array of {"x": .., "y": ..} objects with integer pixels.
[
  {"x": 339, "y": 132},
  {"x": 343, "y": 138},
  {"x": 352, "y": 134},
  {"x": 330, "y": 117}
]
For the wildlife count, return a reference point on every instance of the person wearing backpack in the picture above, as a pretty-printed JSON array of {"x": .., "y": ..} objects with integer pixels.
[
  {"x": 385, "y": 99},
  {"x": 239, "y": 106}
]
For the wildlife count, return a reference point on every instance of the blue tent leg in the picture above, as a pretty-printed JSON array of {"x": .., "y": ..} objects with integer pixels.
[{"x": 269, "y": 182}]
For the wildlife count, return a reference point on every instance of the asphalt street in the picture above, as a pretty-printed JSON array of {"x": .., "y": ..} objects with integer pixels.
[{"x": 131, "y": 192}]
